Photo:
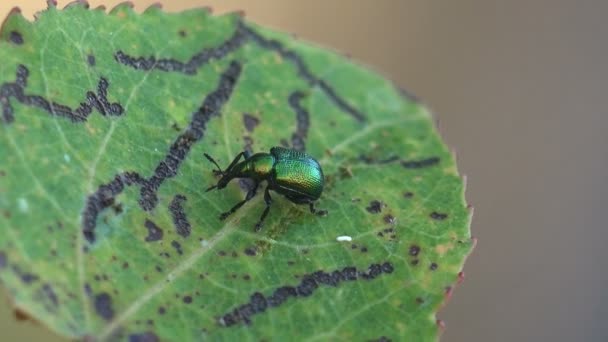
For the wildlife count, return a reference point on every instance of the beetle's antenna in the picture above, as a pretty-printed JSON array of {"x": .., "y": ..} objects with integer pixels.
[
  {"x": 219, "y": 169},
  {"x": 211, "y": 188}
]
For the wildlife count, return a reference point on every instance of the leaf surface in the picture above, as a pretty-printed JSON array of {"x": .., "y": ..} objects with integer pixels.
[{"x": 106, "y": 228}]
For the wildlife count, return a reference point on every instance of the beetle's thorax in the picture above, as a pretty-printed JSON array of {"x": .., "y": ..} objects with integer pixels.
[{"x": 259, "y": 166}]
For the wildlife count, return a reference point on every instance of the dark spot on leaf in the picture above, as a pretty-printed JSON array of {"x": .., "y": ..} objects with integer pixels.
[
  {"x": 177, "y": 246},
  {"x": 144, "y": 337},
  {"x": 355, "y": 200},
  {"x": 159, "y": 269},
  {"x": 438, "y": 216},
  {"x": 125, "y": 265},
  {"x": 3, "y": 260},
  {"x": 353, "y": 246},
  {"x": 381, "y": 339},
  {"x": 50, "y": 294},
  {"x": 221, "y": 253},
  {"x": 182, "y": 33},
  {"x": 234, "y": 254},
  {"x": 248, "y": 147},
  {"x": 250, "y": 122},
  {"x": 380, "y": 234},
  {"x": 180, "y": 220},
  {"x": 187, "y": 299},
  {"x": 2, "y": 173},
  {"x": 374, "y": 207},
  {"x": 250, "y": 251},
  {"x": 155, "y": 233},
  {"x": 26, "y": 277},
  {"x": 419, "y": 300},
  {"x": 15, "y": 37},
  {"x": 103, "y": 306},
  {"x": 390, "y": 219},
  {"x": 363, "y": 249},
  {"x": 414, "y": 250},
  {"x": 298, "y": 138},
  {"x": 414, "y": 262},
  {"x": 91, "y": 60},
  {"x": 162, "y": 310},
  {"x": 247, "y": 277},
  {"x": 433, "y": 266},
  {"x": 418, "y": 164}
]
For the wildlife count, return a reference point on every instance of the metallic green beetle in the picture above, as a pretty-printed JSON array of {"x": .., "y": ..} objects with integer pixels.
[{"x": 293, "y": 174}]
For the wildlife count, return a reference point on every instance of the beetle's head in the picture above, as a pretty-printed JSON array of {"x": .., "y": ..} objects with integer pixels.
[{"x": 225, "y": 175}]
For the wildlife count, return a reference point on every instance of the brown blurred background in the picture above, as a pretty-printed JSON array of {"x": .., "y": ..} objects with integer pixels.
[{"x": 519, "y": 88}]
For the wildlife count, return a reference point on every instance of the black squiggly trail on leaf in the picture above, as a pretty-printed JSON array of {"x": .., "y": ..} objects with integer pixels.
[
  {"x": 105, "y": 195},
  {"x": 180, "y": 148},
  {"x": 104, "y": 198},
  {"x": 189, "y": 68},
  {"x": 418, "y": 164},
  {"x": 92, "y": 101},
  {"x": 258, "y": 303},
  {"x": 180, "y": 220},
  {"x": 240, "y": 36},
  {"x": 298, "y": 138},
  {"x": 303, "y": 70}
]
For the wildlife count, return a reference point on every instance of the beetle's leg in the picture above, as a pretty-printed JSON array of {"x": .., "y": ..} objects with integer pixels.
[
  {"x": 235, "y": 161},
  {"x": 249, "y": 196},
  {"x": 268, "y": 201},
  {"x": 315, "y": 211}
]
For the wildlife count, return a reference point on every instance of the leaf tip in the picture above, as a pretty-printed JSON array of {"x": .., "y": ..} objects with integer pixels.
[
  {"x": 77, "y": 3},
  {"x": 51, "y": 3},
  {"x": 155, "y": 7},
  {"x": 239, "y": 13},
  {"x": 126, "y": 6}
]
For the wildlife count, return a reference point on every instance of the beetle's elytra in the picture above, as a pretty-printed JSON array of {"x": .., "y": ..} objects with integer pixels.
[{"x": 291, "y": 173}]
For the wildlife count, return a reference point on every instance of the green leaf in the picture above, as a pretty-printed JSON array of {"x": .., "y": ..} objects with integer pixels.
[{"x": 106, "y": 228}]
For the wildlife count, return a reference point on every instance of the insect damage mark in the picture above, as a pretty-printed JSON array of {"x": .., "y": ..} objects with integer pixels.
[
  {"x": 103, "y": 306},
  {"x": 103, "y": 198},
  {"x": 418, "y": 164},
  {"x": 26, "y": 277},
  {"x": 298, "y": 138},
  {"x": 211, "y": 107},
  {"x": 147, "y": 336},
  {"x": 155, "y": 233},
  {"x": 167, "y": 168},
  {"x": 250, "y": 122},
  {"x": 3, "y": 260},
  {"x": 191, "y": 66},
  {"x": 15, "y": 37},
  {"x": 374, "y": 207},
  {"x": 177, "y": 246},
  {"x": 258, "y": 303},
  {"x": 240, "y": 36},
  {"x": 16, "y": 90},
  {"x": 438, "y": 216},
  {"x": 180, "y": 220},
  {"x": 303, "y": 71},
  {"x": 49, "y": 293}
]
